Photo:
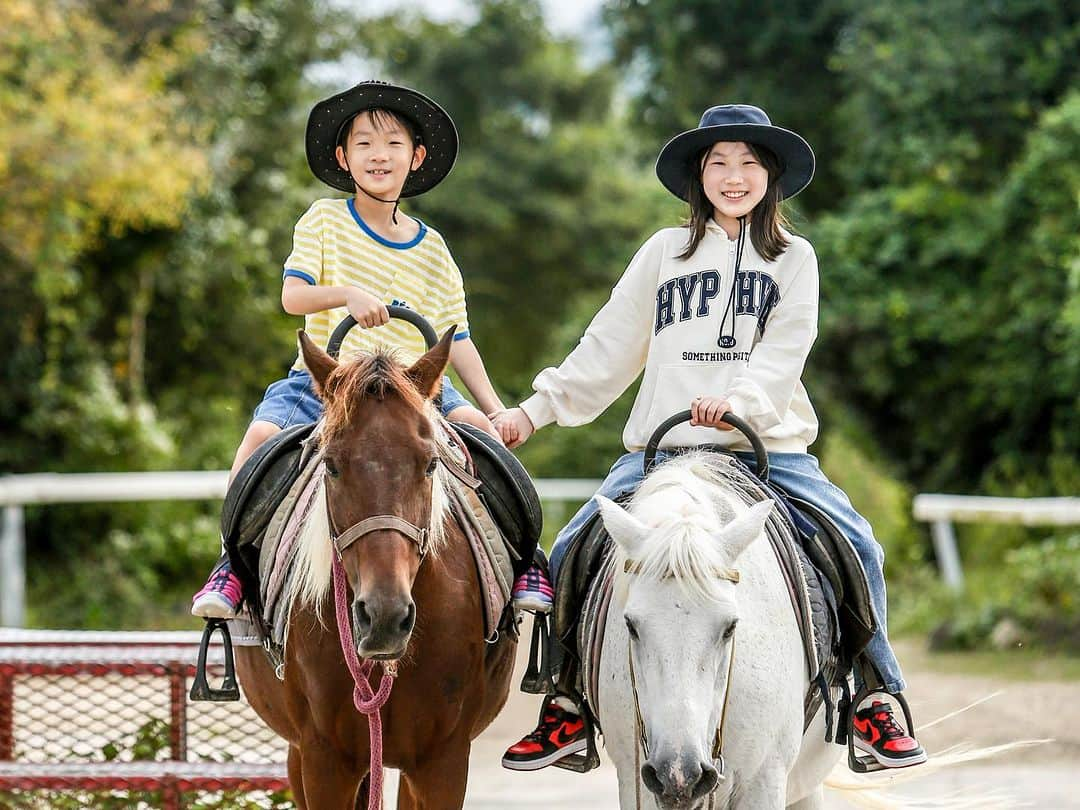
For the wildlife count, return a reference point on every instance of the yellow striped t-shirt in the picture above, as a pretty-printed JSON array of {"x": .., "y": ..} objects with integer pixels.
[{"x": 333, "y": 246}]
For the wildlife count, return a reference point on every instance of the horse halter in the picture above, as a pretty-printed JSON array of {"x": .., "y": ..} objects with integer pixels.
[
  {"x": 419, "y": 536},
  {"x": 731, "y": 575}
]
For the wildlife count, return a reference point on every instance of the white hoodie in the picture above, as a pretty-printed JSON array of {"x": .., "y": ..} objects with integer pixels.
[{"x": 666, "y": 315}]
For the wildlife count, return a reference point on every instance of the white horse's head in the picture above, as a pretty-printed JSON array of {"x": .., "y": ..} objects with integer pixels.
[{"x": 677, "y": 550}]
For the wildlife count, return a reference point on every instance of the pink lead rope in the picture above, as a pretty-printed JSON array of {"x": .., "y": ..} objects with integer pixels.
[{"x": 365, "y": 702}]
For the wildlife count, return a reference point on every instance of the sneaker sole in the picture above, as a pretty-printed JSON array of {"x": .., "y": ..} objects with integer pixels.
[
  {"x": 212, "y": 606},
  {"x": 891, "y": 762},
  {"x": 533, "y": 604},
  {"x": 536, "y": 764}
]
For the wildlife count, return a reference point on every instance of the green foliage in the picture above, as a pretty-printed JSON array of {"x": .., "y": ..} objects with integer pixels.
[
  {"x": 1029, "y": 599},
  {"x": 682, "y": 58}
]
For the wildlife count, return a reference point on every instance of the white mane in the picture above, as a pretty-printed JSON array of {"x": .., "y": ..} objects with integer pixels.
[
  {"x": 686, "y": 502},
  {"x": 312, "y": 567}
]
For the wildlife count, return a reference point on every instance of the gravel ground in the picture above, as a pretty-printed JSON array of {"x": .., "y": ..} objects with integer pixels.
[{"x": 1044, "y": 776}]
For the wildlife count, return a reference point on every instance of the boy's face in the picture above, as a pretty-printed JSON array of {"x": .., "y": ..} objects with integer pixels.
[
  {"x": 734, "y": 180},
  {"x": 380, "y": 154}
]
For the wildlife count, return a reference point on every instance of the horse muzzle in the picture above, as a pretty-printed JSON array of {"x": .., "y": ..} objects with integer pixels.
[
  {"x": 383, "y": 627},
  {"x": 679, "y": 782}
]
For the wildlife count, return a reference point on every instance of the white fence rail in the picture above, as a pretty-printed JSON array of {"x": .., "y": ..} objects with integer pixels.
[
  {"x": 17, "y": 491},
  {"x": 941, "y": 511}
]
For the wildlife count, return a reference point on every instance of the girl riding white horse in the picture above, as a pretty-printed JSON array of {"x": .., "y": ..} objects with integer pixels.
[{"x": 702, "y": 646}]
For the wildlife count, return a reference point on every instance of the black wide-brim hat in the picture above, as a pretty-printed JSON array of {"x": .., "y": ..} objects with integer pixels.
[
  {"x": 677, "y": 164},
  {"x": 434, "y": 127}
]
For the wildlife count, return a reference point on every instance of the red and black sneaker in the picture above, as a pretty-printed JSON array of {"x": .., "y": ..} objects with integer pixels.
[
  {"x": 877, "y": 733},
  {"x": 560, "y": 734}
]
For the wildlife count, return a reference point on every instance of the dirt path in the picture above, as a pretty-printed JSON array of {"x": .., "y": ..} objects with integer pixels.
[{"x": 1044, "y": 777}]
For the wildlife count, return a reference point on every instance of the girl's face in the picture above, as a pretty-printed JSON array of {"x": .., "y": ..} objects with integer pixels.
[
  {"x": 380, "y": 154},
  {"x": 734, "y": 181}
]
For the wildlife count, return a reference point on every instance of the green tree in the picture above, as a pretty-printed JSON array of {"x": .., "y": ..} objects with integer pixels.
[
  {"x": 949, "y": 275},
  {"x": 683, "y": 57}
]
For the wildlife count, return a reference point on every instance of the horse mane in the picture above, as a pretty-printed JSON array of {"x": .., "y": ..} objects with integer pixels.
[
  {"x": 369, "y": 376},
  {"x": 685, "y": 502},
  {"x": 372, "y": 375}
]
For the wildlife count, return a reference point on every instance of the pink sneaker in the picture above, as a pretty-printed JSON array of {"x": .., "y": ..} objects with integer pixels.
[
  {"x": 532, "y": 591},
  {"x": 220, "y": 597}
]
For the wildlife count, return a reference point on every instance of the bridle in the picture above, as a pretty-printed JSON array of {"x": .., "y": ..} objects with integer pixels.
[
  {"x": 731, "y": 575},
  {"x": 417, "y": 534},
  {"x": 368, "y": 701}
]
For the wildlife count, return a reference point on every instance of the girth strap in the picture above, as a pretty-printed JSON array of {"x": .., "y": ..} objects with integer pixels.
[{"x": 378, "y": 522}]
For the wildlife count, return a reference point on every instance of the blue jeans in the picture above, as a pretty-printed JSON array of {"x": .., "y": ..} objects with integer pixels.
[
  {"x": 799, "y": 475},
  {"x": 292, "y": 401}
]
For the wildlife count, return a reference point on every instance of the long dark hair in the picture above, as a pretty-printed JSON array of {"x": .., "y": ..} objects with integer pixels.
[{"x": 766, "y": 220}]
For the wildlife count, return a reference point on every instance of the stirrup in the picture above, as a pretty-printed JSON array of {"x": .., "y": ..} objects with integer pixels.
[
  {"x": 200, "y": 687},
  {"x": 537, "y": 679},
  {"x": 867, "y": 763},
  {"x": 590, "y": 758}
]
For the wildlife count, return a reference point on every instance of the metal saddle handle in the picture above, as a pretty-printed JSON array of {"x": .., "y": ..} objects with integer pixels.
[
  {"x": 761, "y": 456},
  {"x": 401, "y": 313}
]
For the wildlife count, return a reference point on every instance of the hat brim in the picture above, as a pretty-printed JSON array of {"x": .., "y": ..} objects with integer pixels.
[
  {"x": 434, "y": 126},
  {"x": 675, "y": 166}
]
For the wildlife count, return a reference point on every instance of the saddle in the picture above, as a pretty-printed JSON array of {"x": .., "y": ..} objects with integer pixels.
[
  {"x": 254, "y": 495},
  {"x": 507, "y": 491},
  {"x": 825, "y": 579},
  {"x": 493, "y": 500}
]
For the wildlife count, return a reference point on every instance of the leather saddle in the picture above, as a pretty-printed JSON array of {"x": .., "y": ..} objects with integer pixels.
[
  {"x": 507, "y": 491},
  {"x": 254, "y": 495}
]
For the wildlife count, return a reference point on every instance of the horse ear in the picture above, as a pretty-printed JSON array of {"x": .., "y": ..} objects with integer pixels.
[
  {"x": 427, "y": 372},
  {"x": 318, "y": 362},
  {"x": 626, "y": 529},
  {"x": 744, "y": 529}
]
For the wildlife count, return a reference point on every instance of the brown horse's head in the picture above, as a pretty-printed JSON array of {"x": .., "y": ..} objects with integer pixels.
[{"x": 380, "y": 455}]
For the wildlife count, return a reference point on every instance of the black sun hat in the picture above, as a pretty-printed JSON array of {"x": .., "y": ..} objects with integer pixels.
[
  {"x": 435, "y": 130},
  {"x": 735, "y": 122}
]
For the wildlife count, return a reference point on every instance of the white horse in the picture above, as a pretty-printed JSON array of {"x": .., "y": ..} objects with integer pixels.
[{"x": 701, "y": 638}]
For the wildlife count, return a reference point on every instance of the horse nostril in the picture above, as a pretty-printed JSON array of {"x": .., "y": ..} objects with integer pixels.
[
  {"x": 707, "y": 783},
  {"x": 361, "y": 618},
  {"x": 410, "y": 618},
  {"x": 652, "y": 782}
]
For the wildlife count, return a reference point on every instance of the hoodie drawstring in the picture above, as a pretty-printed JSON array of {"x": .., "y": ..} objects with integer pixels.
[{"x": 726, "y": 338}]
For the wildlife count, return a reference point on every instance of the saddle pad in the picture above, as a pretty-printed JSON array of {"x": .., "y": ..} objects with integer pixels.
[
  {"x": 591, "y": 634},
  {"x": 506, "y": 490},
  {"x": 279, "y": 544},
  {"x": 492, "y": 565},
  {"x": 254, "y": 495}
]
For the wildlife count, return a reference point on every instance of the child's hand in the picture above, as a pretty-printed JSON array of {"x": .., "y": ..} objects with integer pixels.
[
  {"x": 706, "y": 412},
  {"x": 514, "y": 426},
  {"x": 368, "y": 310}
]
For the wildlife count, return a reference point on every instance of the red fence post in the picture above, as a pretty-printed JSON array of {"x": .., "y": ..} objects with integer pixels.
[
  {"x": 7, "y": 715},
  {"x": 177, "y": 711}
]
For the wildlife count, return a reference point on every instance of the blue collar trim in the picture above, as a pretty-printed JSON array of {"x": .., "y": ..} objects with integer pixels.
[{"x": 416, "y": 240}]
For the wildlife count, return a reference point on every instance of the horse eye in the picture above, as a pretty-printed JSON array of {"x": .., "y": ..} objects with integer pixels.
[
  {"x": 430, "y": 471},
  {"x": 631, "y": 628},
  {"x": 730, "y": 631},
  {"x": 331, "y": 468}
]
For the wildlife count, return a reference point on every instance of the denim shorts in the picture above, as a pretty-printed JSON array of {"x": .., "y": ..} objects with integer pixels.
[{"x": 292, "y": 401}]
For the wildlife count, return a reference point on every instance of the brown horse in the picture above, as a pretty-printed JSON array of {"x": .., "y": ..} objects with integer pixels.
[{"x": 420, "y": 610}]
